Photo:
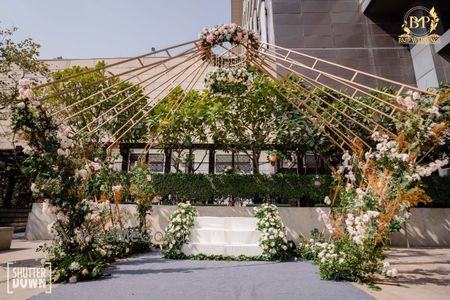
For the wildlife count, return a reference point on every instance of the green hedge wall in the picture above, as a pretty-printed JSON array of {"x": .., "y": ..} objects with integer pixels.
[
  {"x": 438, "y": 188},
  {"x": 205, "y": 187},
  {"x": 280, "y": 187}
]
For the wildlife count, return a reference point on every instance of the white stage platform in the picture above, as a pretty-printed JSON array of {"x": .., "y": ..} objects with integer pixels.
[{"x": 228, "y": 236}]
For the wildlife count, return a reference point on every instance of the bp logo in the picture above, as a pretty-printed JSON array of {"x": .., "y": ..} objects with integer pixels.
[{"x": 419, "y": 26}]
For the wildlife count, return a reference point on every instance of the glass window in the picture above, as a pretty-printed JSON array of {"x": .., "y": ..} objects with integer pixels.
[
  {"x": 223, "y": 161},
  {"x": 242, "y": 163}
]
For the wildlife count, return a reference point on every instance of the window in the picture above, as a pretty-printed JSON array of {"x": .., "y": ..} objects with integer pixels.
[
  {"x": 242, "y": 163},
  {"x": 132, "y": 160},
  {"x": 223, "y": 161},
  {"x": 156, "y": 162}
]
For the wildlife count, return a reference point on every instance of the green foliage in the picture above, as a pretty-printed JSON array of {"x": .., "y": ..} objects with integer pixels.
[
  {"x": 179, "y": 129},
  {"x": 143, "y": 191},
  {"x": 235, "y": 120},
  {"x": 121, "y": 96},
  {"x": 222, "y": 257},
  {"x": 90, "y": 262},
  {"x": 306, "y": 248},
  {"x": 340, "y": 259},
  {"x": 204, "y": 187},
  {"x": 102, "y": 181},
  {"x": 438, "y": 188},
  {"x": 248, "y": 121},
  {"x": 17, "y": 60},
  {"x": 357, "y": 264}
]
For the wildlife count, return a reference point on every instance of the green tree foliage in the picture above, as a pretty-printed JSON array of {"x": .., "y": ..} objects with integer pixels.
[
  {"x": 295, "y": 130},
  {"x": 17, "y": 61},
  {"x": 179, "y": 121},
  {"x": 249, "y": 121},
  {"x": 117, "y": 96}
]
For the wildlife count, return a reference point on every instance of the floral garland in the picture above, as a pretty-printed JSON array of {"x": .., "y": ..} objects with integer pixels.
[
  {"x": 231, "y": 33},
  {"x": 273, "y": 240},
  {"x": 223, "y": 80},
  {"x": 178, "y": 230}
]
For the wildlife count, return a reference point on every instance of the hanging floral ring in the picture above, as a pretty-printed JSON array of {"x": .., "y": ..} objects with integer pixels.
[{"x": 226, "y": 33}]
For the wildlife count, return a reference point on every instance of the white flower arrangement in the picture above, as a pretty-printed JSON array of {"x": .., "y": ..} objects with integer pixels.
[
  {"x": 178, "y": 230},
  {"x": 273, "y": 240},
  {"x": 221, "y": 77}
]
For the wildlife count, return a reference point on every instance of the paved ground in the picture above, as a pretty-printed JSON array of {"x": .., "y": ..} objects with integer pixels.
[
  {"x": 151, "y": 277},
  {"x": 423, "y": 274},
  {"x": 24, "y": 253}
]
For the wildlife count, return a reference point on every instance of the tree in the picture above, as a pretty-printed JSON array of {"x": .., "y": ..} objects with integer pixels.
[
  {"x": 18, "y": 60},
  {"x": 100, "y": 109},
  {"x": 179, "y": 121},
  {"x": 248, "y": 121}
]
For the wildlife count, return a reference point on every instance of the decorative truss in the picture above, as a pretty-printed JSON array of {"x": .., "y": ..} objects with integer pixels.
[{"x": 185, "y": 65}]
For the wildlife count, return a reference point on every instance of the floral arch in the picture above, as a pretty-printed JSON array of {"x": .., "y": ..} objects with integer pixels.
[{"x": 377, "y": 181}]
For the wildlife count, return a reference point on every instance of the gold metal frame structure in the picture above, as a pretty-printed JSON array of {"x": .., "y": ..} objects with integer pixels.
[{"x": 155, "y": 73}]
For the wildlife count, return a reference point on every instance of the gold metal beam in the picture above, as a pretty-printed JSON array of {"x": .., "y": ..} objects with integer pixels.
[{"x": 145, "y": 113}]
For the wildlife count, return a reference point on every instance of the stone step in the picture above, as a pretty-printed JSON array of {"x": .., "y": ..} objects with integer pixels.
[
  {"x": 225, "y": 236},
  {"x": 222, "y": 249},
  {"x": 234, "y": 223},
  {"x": 209, "y": 222},
  {"x": 228, "y": 236}
]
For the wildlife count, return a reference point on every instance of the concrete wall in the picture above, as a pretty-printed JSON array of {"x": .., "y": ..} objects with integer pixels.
[
  {"x": 429, "y": 227},
  {"x": 424, "y": 67}
]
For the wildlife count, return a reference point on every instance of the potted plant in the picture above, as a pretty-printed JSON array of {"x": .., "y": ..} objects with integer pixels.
[{"x": 6, "y": 237}]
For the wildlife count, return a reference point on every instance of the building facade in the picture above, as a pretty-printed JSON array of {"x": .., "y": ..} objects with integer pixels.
[{"x": 361, "y": 34}]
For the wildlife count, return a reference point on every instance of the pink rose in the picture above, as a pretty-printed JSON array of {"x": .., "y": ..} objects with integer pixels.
[
  {"x": 25, "y": 94},
  {"x": 95, "y": 217},
  {"x": 239, "y": 36},
  {"x": 210, "y": 38},
  {"x": 95, "y": 166},
  {"x": 409, "y": 103},
  {"x": 28, "y": 94}
]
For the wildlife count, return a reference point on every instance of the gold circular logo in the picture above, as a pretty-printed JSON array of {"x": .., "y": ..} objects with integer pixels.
[{"x": 420, "y": 21}]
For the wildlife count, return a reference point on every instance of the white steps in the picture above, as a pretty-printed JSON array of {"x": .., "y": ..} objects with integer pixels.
[
  {"x": 222, "y": 249},
  {"x": 228, "y": 236}
]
